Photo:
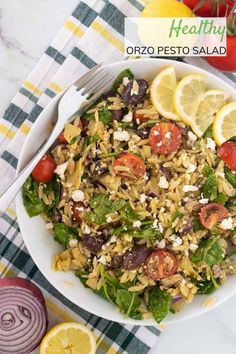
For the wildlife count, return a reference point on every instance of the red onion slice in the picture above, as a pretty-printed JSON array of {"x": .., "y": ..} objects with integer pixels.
[{"x": 23, "y": 316}]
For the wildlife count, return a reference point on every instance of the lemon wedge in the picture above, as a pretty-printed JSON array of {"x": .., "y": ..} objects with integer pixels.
[
  {"x": 187, "y": 96},
  {"x": 224, "y": 125},
  {"x": 162, "y": 92},
  {"x": 210, "y": 104},
  {"x": 69, "y": 337},
  {"x": 167, "y": 8}
]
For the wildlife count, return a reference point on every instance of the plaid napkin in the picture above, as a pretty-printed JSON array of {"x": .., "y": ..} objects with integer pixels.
[{"x": 93, "y": 33}]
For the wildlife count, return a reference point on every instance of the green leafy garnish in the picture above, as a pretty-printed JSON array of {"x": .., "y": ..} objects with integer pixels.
[
  {"x": 119, "y": 79},
  {"x": 209, "y": 252},
  {"x": 74, "y": 139},
  {"x": 33, "y": 204},
  {"x": 230, "y": 176},
  {"x": 197, "y": 225},
  {"x": 147, "y": 233},
  {"x": 210, "y": 190},
  {"x": 159, "y": 303},
  {"x": 206, "y": 287},
  {"x": 208, "y": 132},
  {"x": 105, "y": 115},
  {"x": 80, "y": 274},
  {"x": 88, "y": 140},
  {"x": 64, "y": 233},
  {"x": 128, "y": 303},
  {"x": 221, "y": 198},
  {"x": 175, "y": 215},
  {"x": 128, "y": 213}
]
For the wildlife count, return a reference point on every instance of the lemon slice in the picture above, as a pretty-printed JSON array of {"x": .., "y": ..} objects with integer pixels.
[
  {"x": 210, "y": 104},
  {"x": 69, "y": 337},
  {"x": 188, "y": 95},
  {"x": 162, "y": 91},
  {"x": 224, "y": 125}
]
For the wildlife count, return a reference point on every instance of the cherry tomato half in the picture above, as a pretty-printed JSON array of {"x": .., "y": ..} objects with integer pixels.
[
  {"x": 165, "y": 138},
  {"x": 212, "y": 214},
  {"x": 228, "y": 62},
  {"x": 77, "y": 208},
  {"x": 207, "y": 9},
  {"x": 61, "y": 138},
  {"x": 139, "y": 118},
  {"x": 44, "y": 170},
  {"x": 134, "y": 163},
  {"x": 227, "y": 152},
  {"x": 160, "y": 264}
]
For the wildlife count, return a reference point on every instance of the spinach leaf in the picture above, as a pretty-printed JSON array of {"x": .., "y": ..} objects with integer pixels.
[
  {"x": 128, "y": 213},
  {"x": 97, "y": 219},
  {"x": 230, "y": 177},
  {"x": 54, "y": 186},
  {"x": 125, "y": 73},
  {"x": 32, "y": 203},
  {"x": 221, "y": 198},
  {"x": 147, "y": 233},
  {"x": 159, "y": 303},
  {"x": 64, "y": 233},
  {"x": 88, "y": 140},
  {"x": 105, "y": 115},
  {"x": 128, "y": 303},
  {"x": 101, "y": 204},
  {"x": 197, "y": 225},
  {"x": 209, "y": 252},
  {"x": 206, "y": 287},
  {"x": 125, "y": 125},
  {"x": 210, "y": 190}
]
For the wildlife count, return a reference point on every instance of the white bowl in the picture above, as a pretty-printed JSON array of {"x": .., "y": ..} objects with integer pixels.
[{"x": 42, "y": 247}]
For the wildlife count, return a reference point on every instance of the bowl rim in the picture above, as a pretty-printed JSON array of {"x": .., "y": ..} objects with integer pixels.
[{"x": 149, "y": 322}]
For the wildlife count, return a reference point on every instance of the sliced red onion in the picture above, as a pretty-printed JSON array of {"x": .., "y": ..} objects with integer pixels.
[
  {"x": 176, "y": 299},
  {"x": 23, "y": 316}
]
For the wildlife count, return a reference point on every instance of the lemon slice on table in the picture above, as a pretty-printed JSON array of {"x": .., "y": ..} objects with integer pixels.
[
  {"x": 162, "y": 92},
  {"x": 187, "y": 96},
  {"x": 224, "y": 125},
  {"x": 69, "y": 337},
  {"x": 209, "y": 105}
]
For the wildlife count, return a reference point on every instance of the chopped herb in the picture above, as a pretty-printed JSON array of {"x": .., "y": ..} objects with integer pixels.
[
  {"x": 175, "y": 215},
  {"x": 74, "y": 139},
  {"x": 210, "y": 190},
  {"x": 208, "y": 133},
  {"x": 64, "y": 233},
  {"x": 230, "y": 176},
  {"x": 159, "y": 303},
  {"x": 88, "y": 140},
  {"x": 209, "y": 252}
]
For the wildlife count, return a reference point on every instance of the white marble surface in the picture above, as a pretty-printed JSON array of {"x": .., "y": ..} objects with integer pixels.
[{"x": 26, "y": 28}]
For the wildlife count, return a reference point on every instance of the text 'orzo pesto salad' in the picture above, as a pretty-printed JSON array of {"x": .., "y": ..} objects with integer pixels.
[{"x": 140, "y": 196}]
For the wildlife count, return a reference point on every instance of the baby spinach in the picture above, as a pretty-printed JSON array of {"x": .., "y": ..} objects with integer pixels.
[
  {"x": 230, "y": 176},
  {"x": 208, "y": 132},
  {"x": 175, "y": 215},
  {"x": 54, "y": 186},
  {"x": 105, "y": 115},
  {"x": 64, "y": 233},
  {"x": 101, "y": 205},
  {"x": 206, "y": 287},
  {"x": 32, "y": 203},
  {"x": 119, "y": 79},
  {"x": 88, "y": 140},
  {"x": 210, "y": 190},
  {"x": 74, "y": 139},
  {"x": 221, "y": 198},
  {"x": 159, "y": 303},
  {"x": 80, "y": 275},
  {"x": 147, "y": 233},
  {"x": 128, "y": 303},
  {"x": 209, "y": 252}
]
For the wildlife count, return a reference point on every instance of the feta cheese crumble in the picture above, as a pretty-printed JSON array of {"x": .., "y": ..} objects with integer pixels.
[
  {"x": 203, "y": 201},
  {"x": 61, "y": 169},
  {"x": 128, "y": 117},
  {"x": 143, "y": 197},
  {"x": 162, "y": 243},
  {"x": 159, "y": 144},
  {"x": 155, "y": 133},
  {"x": 191, "y": 167},
  {"x": 121, "y": 135},
  {"x": 168, "y": 135},
  {"x": 49, "y": 225},
  {"x": 125, "y": 80},
  {"x": 109, "y": 219},
  {"x": 163, "y": 183},
  {"x": 135, "y": 88},
  {"x": 192, "y": 137},
  {"x": 188, "y": 188},
  {"x": 137, "y": 224},
  {"x": 211, "y": 144},
  {"x": 77, "y": 196},
  {"x": 227, "y": 224}
]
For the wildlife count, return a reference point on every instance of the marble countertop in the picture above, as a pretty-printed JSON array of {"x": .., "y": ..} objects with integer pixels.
[{"x": 26, "y": 28}]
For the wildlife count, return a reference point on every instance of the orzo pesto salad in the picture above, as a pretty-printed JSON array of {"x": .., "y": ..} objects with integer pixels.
[{"x": 140, "y": 192}]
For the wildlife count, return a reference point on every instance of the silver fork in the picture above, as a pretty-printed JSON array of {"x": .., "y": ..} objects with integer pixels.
[{"x": 77, "y": 99}]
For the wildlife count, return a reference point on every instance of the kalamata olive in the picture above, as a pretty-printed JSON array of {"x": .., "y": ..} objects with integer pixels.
[
  {"x": 57, "y": 217},
  {"x": 143, "y": 133},
  {"x": 99, "y": 168},
  {"x": 183, "y": 130},
  {"x": 187, "y": 227},
  {"x": 117, "y": 114},
  {"x": 134, "y": 258},
  {"x": 116, "y": 261},
  {"x": 84, "y": 125},
  {"x": 132, "y": 99},
  {"x": 166, "y": 172},
  {"x": 93, "y": 243}
]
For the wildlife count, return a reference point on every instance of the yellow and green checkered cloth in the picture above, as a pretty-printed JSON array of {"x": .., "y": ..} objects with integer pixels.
[{"x": 93, "y": 33}]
